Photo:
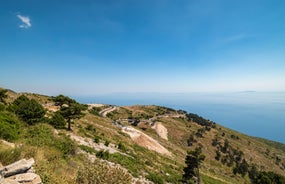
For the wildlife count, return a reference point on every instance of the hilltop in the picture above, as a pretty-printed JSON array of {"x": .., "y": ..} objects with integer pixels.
[{"x": 128, "y": 144}]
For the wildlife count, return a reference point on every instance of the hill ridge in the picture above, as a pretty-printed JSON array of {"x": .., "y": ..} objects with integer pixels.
[{"x": 56, "y": 148}]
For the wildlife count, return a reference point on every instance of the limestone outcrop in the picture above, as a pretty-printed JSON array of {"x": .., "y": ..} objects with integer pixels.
[{"x": 20, "y": 172}]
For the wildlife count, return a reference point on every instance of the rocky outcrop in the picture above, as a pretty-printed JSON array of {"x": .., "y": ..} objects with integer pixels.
[{"x": 20, "y": 172}]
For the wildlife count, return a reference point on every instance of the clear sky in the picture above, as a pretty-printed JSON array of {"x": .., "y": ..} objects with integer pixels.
[{"x": 85, "y": 47}]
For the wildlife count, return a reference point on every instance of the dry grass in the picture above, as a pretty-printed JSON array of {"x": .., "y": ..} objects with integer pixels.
[{"x": 53, "y": 168}]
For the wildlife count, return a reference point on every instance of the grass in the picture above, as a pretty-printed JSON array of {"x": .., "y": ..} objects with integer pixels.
[
  {"x": 209, "y": 180},
  {"x": 134, "y": 165},
  {"x": 58, "y": 162},
  {"x": 100, "y": 172},
  {"x": 9, "y": 155}
]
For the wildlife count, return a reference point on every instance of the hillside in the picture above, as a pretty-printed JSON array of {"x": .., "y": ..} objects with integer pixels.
[{"x": 130, "y": 144}]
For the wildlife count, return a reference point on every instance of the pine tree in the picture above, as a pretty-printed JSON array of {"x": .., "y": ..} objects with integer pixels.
[{"x": 193, "y": 161}]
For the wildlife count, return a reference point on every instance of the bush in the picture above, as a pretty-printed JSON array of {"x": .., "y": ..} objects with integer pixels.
[
  {"x": 8, "y": 156},
  {"x": 95, "y": 111},
  {"x": 57, "y": 120},
  {"x": 87, "y": 149},
  {"x": 122, "y": 147},
  {"x": 105, "y": 155},
  {"x": 97, "y": 139},
  {"x": 42, "y": 135},
  {"x": 155, "y": 178},
  {"x": 102, "y": 173},
  {"x": 29, "y": 111},
  {"x": 91, "y": 128},
  {"x": 107, "y": 143},
  {"x": 2, "y": 107},
  {"x": 134, "y": 165},
  {"x": 10, "y": 126},
  {"x": 66, "y": 146}
]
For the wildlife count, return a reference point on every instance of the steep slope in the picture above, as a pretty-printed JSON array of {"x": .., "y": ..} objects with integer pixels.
[{"x": 129, "y": 143}]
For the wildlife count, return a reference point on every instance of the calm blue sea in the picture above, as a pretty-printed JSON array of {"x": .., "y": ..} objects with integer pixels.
[{"x": 254, "y": 113}]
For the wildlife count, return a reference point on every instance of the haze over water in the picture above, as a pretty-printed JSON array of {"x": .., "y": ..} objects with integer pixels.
[
  {"x": 98, "y": 47},
  {"x": 258, "y": 114}
]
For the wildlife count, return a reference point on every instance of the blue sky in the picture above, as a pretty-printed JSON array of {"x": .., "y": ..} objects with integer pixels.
[{"x": 86, "y": 47}]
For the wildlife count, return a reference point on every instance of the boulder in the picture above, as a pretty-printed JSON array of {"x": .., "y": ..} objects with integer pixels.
[
  {"x": 10, "y": 181},
  {"x": 18, "y": 167},
  {"x": 20, "y": 172},
  {"x": 27, "y": 178}
]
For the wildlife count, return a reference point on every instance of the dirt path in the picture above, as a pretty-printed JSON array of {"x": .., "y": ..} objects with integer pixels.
[
  {"x": 144, "y": 140},
  {"x": 160, "y": 130},
  {"x": 104, "y": 112}
]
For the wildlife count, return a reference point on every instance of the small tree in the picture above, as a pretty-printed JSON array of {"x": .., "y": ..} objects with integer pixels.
[
  {"x": 193, "y": 161},
  {"x": 69, "y": 108},
  {"x": 3, "y": 95},
  {"x": 60, "y": 100},
  {"x": 191, "y": 140},
  {"x": 29, "y": 111},
  {"x": 57, "y": 120}
]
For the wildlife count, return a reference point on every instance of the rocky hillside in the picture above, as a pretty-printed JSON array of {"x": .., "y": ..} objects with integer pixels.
[{"x": 97, "y": 143}]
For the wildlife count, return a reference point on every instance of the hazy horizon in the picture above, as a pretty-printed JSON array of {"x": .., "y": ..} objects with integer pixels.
[
  {"x": 150, "y": 49},
  {"x": 254, "y": 113}
]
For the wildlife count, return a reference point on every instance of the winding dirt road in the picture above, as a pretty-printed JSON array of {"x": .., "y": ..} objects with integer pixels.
[{"x": 104, "y": 112}]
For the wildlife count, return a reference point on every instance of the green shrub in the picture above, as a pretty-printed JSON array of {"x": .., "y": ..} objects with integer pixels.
[
  {"x": 155, "y": 178},
  {"x": 2, "y": 107},
  {"x": 57, "y": 120},
  {"x": 40, "y": 135},
  {"x": 91, "y": 128},
  {"x": 134, "y": 165},
  {"x": 97, "y": 139},
  {"x": 122, "y": 147},
  {"x": 10, "y": 126},
  {"x": 95, "y": 111},
  {"x": 107, "y": 143},
  {"x": 87, "y": 149},
  {"x": 100, "y": 172},
  {"x": 8, "y": 156},
  {"x": 105, "y": 155},
  {"x": 30, "y": 111},
  {"x": 66, "y": 146}
]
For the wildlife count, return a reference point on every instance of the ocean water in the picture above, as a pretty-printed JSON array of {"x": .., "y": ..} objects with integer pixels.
[{"x": 260, "y": 114}]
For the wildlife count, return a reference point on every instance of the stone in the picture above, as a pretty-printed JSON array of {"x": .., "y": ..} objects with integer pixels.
[
  {"x": 10, "y": 181},
  {"x": 18, "y": 167},
  {"x": 37, "y": 180},
  {"x": 25, "y": 177},
  {"x": 20, "y": 172},
  {"x": 1, "y": 174}
]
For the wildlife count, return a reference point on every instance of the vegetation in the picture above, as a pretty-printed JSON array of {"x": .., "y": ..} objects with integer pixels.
[
  {"x": 10, "y": 126},
  {"x": 100, "y": 172},
  {"x": 9, "y": 155},
  {"x": 200, "y": 120},
  {"x": 232, "y": 158},
  {"x": 69, "y": 108},
  {"x": 263, "y": 177},
  {"x": 95, "y": 110},
  {"x": 192, "y": 169},
  {"x": 155, "y": 178},
  {"x": 30, "y": 111},
  {"x": 3, "y": 95},
  {"x": 57, "y": 121}
]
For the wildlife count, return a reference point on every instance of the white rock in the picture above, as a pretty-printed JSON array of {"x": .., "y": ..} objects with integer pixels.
[{"x": 18, "y": 167}]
